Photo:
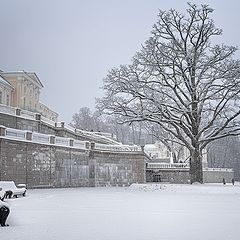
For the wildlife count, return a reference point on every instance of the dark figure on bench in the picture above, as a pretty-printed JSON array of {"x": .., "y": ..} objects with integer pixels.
[
  {"x": 4, "y": 212},
  {"x": 8, "y": 194}
]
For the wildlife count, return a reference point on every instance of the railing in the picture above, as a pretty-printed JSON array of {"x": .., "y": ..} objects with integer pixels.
[
  {"x": 7, "y": 109},
  {"x": 48, "y": 121},
  {"x": 15, "y": 134},
  {"x": 44, "y": 109},
  {"x": 118, "y": 148},
  {"x": 40, "y": 138},
  {"x": 134, "y": 148},
  {"x": 62, "y": 141},
  {"x": 182, "y": 166},
  {"x": 106, "y": 134},
  {"x": 167, "y": 165},
  {"x": 69, "y": 128},
  {"x": 24, "y": 114},
  {"x": 94, "y": 136},
  {"x": 80, "y": 144},
  {"x": 35, "y": 137},
  {"x": 27, "y": 114},
  {"x": 219, "y": 169}
]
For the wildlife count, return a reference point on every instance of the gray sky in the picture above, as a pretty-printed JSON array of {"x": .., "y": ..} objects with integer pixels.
[{"x": 71, "y": 44}]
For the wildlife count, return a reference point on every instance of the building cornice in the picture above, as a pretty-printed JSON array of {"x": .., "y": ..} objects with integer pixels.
[
  {"x": 32, "y": 76},
  {"x": 5, "y": 82}
]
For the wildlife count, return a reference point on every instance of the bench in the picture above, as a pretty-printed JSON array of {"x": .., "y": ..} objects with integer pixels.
[{"x": 11, "y": 190}]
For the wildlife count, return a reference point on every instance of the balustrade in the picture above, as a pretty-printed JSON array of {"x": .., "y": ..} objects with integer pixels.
[
  {"x": 167, "y": 165},
  {"x": 15, "y": 133},
  {"x": 7, "y": 109},
  {"x": 62, "y": 141}
]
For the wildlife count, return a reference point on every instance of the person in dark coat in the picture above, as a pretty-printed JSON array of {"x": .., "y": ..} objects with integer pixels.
[
  {"x": 224, "y": 182},
  {"x": 233, "y": 181},
  {"x": 4, "y": 212}
]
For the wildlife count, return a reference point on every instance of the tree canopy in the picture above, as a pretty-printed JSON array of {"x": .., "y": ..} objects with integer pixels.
[{"x": 181, "y": 82}]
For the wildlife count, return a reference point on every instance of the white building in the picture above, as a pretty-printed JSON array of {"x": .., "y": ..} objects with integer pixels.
[{"x": 158, "y": 152}]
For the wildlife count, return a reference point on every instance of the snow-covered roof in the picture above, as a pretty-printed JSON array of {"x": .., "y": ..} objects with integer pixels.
[{"x": 5, "y": 82}]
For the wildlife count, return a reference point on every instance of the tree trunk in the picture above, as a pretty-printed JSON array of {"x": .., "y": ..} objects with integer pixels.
[{"x": 196, "y": 172}]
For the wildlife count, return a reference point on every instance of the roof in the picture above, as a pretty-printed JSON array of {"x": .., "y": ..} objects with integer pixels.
[
  {"x": 5, "y": 82},
  {"x": 34, "y": 76},
  {"x": 30, "y": 75}
]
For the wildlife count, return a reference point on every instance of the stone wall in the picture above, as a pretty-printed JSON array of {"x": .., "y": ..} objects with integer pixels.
[
  {"x": 217, "y": 176},
  {"x": 119, "y": 169},
  {"x": 40, "y": 165},
  {"x": 183, "y": 176},
  {"x": 168, "y": 175}
]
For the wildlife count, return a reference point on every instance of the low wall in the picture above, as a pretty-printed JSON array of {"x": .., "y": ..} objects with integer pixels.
[
  {"x": 183, "y": 176},
  {"x": 119, "y": 169},
  {"x": 216, "y": 176},
  {"x": 168, "y": 175},
  {"x": 46, "y": 165}
]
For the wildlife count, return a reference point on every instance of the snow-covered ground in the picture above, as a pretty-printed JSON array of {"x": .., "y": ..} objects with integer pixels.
[{"x": 140, "y": 212}]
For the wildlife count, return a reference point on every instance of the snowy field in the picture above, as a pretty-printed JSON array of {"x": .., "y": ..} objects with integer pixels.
[{"x": 140, "y": 212}]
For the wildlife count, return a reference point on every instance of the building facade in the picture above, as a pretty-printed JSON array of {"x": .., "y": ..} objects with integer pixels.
[
  {"x": 158, "y": 152},
  {"x": 22, "y": 90},
  {"x": 6, "y": 91}
]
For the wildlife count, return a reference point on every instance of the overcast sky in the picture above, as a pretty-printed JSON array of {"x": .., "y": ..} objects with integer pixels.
[{"x": 71, "y": 44}]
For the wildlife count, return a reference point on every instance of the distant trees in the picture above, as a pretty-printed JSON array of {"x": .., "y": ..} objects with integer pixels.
[
  {"x": 86, "y": 120},
  {"x": 180, "y": 82},
  {"x": 94, "y": 121}
]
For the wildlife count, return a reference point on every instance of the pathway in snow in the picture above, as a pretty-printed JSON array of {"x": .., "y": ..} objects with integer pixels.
[{"x": 140, "y": 212}]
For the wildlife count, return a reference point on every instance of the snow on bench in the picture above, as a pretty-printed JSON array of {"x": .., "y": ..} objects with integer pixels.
[
  {"x": 2, "y": 193},
  {"x": 10, "y": 186}
]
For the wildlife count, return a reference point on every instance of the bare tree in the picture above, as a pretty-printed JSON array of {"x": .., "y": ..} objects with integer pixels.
[
  {"x": 125, "y": 133},
  {"x": 182, "y": 82},
  {"x": 86, "y": 120}
]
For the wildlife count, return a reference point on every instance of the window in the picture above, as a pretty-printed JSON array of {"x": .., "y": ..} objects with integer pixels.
[
  {"x": 8, "y": 100},
  {"x": 0, "y": 97}
]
